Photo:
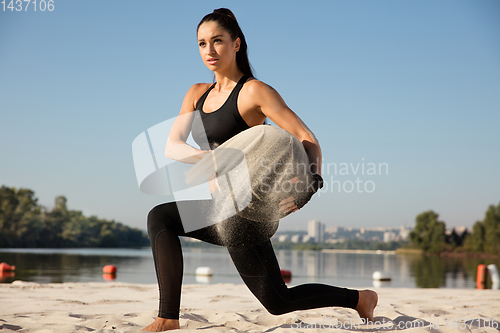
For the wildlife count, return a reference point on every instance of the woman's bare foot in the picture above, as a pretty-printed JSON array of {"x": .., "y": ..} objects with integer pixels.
[
  {"x": 366, "y": 304},
  {"x": 162, "y": 325}
]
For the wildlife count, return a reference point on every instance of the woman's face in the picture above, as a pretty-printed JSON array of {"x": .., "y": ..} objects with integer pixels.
[{"x": 217, "y": 49}]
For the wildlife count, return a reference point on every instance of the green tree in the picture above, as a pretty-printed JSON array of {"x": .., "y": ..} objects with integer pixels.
[
  {"x": 456, "y": 240},
  {"x": 463, "y": 237},
  {"x": 8, "y": 204},
  {"x": 54, "y": 223},
  {"x": 429, "y": 233},
  {"x": 24, "y": 223},
  {"x": 491, "y": 225},
  {"x": 475, "y": 241},
  {"x": 20, "y": 220},
  {"x": 485, "y": 236}
]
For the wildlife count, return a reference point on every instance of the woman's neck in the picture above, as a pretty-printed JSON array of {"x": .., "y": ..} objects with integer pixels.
[{"x": 227, "y": 80}]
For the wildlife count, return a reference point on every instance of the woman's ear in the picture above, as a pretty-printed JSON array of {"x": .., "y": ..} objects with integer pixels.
[{"x": 237, "y": 44}]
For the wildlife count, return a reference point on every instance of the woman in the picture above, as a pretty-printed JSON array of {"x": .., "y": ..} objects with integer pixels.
[{"x": 234, "y": 103}]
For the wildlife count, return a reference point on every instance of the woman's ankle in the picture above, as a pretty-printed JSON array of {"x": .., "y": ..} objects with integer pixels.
[{"x": 162, "y": 325}]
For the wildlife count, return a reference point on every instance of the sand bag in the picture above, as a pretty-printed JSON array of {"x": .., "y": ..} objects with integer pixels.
[{"x": 255, "y": 171}]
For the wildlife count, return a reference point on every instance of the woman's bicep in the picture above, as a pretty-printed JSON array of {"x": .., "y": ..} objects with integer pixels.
[
  {"x": 182, "y": 124},
  {"x": 176, "y": 147},
  {"x": 274, "y": 107}
]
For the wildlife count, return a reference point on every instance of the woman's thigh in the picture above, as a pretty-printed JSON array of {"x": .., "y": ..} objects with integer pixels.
[{"x": 234, "y": 231}]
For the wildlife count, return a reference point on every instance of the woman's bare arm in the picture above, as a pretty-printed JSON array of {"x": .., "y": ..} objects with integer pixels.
[
  {"x": 274, "y": 107},
  {"x": 176, "y": 147}
]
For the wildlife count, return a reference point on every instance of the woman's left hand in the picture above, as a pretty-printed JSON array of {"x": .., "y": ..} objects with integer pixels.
[{"x": 288, "y": 205}]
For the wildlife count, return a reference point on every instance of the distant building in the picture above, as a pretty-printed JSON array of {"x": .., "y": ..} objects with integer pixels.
[
  {"x": 404, "y": 233},
  {"x": 316, "y": 230},
  {"x": 389, "y": 236},
  {"x": 282, "y": 238},
  {"x": 332, "y": 230},
  {"x": 295, "y": 238}
]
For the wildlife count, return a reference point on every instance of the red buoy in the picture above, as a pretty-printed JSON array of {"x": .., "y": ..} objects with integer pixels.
[
  {"x": 482, "y": 273},
  {"x": 109, "y": 277},
  {"x": 6, "y": 267},
  {"x": 286, "y": 273},
  {"x": 109, "y": 269}
]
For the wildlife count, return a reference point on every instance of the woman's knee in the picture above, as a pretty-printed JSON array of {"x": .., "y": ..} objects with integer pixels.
[
  {"x": 276, "y": 306},
  {"x": 162, "y": 217},
  {"x": 276, "y": 299},
  {"x": 276, "y": 310},
  {"x": 154, "y": 218}
]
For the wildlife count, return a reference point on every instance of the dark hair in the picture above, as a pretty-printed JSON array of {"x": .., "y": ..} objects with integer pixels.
[{"x": 227, "y": 21}]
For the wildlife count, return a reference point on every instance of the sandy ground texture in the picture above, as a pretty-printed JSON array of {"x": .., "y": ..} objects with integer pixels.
[{"x": 123, "y": 307}]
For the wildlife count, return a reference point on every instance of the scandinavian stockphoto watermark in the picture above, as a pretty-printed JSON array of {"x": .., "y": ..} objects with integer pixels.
[
  {"x": 383, "y": 324},
  {"x": 175, "y": 172},
  {"x": 358, "y": 177},
  {"x": 331, "y": 323}
]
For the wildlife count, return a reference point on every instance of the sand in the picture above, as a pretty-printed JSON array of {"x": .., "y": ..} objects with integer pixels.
[{"x": 124, "y": 307}]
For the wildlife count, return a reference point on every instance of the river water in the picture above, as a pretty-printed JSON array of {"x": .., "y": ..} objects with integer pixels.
[{"x": 352, "y": 270}]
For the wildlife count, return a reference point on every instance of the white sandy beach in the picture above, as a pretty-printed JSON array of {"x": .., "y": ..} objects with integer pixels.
[{"x": 123, "y": 307}]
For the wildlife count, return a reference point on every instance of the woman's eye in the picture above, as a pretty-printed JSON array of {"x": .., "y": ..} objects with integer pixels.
[
  {"x": 217, "y": 40},
  {"x": 202, "y": 44}
]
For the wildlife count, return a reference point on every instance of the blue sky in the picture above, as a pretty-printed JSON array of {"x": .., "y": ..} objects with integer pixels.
[{"x": 414, "y": 84}]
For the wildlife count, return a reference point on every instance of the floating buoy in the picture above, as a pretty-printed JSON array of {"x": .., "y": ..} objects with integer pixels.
[
  {"x": 481, "y": 276},
  {"x": 109, "y": 276},
  {"x": 492, "y": 269},
  {"x": 286, "y": 273},
  {"x": 4, "y": 275},
  {"x": 380, "y": 276},
  {"x": 203, "y": 279},
  {"x": 380, "y": 284},
  {"x": 204, "y": 271},
  {"x": 109, "y": 269},
  {"x": 6, "y": 267},
  {"x": 495, "y": 277}
]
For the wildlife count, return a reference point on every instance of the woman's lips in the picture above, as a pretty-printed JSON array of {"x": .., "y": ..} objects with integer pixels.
[{"x": 212, "y": 61}]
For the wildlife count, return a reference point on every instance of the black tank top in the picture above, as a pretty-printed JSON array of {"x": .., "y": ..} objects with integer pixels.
[{"x": 221, "y": 124}]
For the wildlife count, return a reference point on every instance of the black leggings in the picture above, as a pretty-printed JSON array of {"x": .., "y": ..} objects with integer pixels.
[{"x": 252, "y": 254}]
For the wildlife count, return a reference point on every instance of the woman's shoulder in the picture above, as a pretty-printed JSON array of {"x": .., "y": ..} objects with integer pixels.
[
  {"x": 256, "y": 88},
  {"x": 198, "y": 88},
  {"x": 195, "y": 92}
]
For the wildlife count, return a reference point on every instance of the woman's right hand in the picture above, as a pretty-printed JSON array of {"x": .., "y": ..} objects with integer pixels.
[
  {"x": 291, "y": 204},
  {"x": 288, "y": 205},
  {"x": 213, "y": 183}
]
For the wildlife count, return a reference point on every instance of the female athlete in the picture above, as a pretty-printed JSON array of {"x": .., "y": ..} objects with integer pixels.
[{"x": 235, "y": 102}]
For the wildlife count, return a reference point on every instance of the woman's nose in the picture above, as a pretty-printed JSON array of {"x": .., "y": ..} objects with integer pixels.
[{"x": 210, "y": 49}]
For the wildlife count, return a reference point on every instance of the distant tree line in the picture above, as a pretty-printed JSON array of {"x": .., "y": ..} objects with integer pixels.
[
  {"x": 430, "y": 234},
  {"x": 24, "y": 223}
]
